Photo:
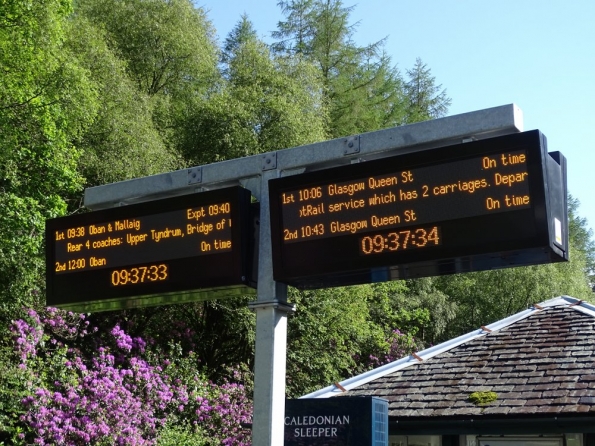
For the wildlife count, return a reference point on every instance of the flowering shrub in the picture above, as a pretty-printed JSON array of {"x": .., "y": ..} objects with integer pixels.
[
  {"x": 399, "y": 345},
  {"x": 123, "y": 394}
]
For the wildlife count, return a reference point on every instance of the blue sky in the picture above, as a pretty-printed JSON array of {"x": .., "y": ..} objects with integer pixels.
[{"x": 539, "y": 55}]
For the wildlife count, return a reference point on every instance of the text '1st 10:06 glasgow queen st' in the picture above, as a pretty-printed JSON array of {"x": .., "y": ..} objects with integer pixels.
[{"x": 437, "y": 200}]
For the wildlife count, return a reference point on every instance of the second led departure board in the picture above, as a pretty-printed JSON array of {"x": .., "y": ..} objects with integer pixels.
[
  {"x": 474, "y": 206},
  {"x": 169, "y": 250}
]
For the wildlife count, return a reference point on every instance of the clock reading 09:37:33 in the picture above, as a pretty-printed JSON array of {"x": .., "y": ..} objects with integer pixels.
[
  {"x": 139, "y": 274},
  {"x": 399, "y": 241}
]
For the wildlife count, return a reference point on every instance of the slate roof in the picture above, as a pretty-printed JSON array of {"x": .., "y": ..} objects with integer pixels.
[{"x": 540, "y": 361}]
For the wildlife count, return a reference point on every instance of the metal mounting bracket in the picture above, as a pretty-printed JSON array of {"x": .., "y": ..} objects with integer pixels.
[
  {"x": 195, "y": 175},
  {"x": 269, "y": 161},
  {"x": 276, "y": 304},
  {"x": 352, "y": 145}
]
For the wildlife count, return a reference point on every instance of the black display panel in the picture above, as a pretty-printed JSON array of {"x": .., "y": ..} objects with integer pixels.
[
  {"x": 339, "y": 421},
  {"x": 190, "y": 247},
  {"x": 468, "y": 207}
]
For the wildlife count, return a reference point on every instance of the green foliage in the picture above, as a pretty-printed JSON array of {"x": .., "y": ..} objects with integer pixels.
[
  {"x": 164, "y": 62},
  {"x": 393, "y": 305},
  {"x": 265, "y": 103},
  {"x": 14, "y": 386},
  {"x": 122, "y": 142},
  {"x": 241, "y": 34},
  {"x": 176, "y": 435},
  {"x": 167, "y": 45},
  {"x": 581, "y": 238},
  {"x": 364, "y": 91},
  {"x": 426, "y": 100},
  {"x": 483, "y": 398},
  {"x": 487, "y": 296},
  {"x": 22, "y": 224},
  {"x": 421, "y": 309},
  {"x": 224, "y": 334},
  {"x": 46, "y": 101},
  {"x": 330, "y": 329}
]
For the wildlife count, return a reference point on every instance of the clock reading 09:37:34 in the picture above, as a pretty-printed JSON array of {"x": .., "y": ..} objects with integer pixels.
[
  {"x": 139, "y": 274},
  {"x": 399, "y": 241}
]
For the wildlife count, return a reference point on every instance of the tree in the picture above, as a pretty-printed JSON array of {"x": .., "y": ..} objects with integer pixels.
[
  {"x": 122, "y": 142},
  {"x": 168, "y": 46},
  {"x": 46, "y": 102},
  {"x": 488, "y": 296},
  {"x": 168, "y": 52},
  {"x": 363, "y": 89},
  {"x": 581, "y": 238},
  {"x": 264, "y": 104},
  {"x": 425, "y": 99},
  {"x": 328, "y": 336},
  {"x": 416, "y": 307},
  {"x": 295, "y": 34},
  {"x": 241, "y": 34},
  {"x": 485, "y": 297}
]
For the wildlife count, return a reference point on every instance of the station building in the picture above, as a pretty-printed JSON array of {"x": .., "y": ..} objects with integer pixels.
[{"x": 527, "y": 380}]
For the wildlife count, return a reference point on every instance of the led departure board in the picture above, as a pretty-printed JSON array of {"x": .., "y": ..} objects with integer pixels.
[
  {"x": 170, "y": 250},
  {"x": 473, "y": 206}
]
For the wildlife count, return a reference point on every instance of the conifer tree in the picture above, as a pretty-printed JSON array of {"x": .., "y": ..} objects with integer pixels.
[
  {"x": 264, "y": 103},
  {"x": 425, "y": 99},
  {"x": 364, "y": 90},
  {"x": 242, "y": 33}
]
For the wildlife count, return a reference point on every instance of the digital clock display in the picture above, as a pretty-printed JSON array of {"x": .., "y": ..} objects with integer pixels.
[
  {"x": 400, "y": 240},
  {"x": 140, "y": 274},
  {"x": 482, "y": 204},
  {"x": 169, "y": 247}
]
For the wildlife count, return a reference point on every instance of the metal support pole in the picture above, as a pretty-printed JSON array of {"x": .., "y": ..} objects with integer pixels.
[
  {"x": 269, "y": 374},
  {"x": 271, "y": 309}
]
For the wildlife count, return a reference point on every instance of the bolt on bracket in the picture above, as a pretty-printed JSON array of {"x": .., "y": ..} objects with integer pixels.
[
  {"x": 352, "y": 145},
  {"x": 195, "y": 175},
  {"x": 269, "y": 161}
]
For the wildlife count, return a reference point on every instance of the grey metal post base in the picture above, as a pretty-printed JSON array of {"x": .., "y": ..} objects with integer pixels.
[{"x": 269, "y": 372}]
